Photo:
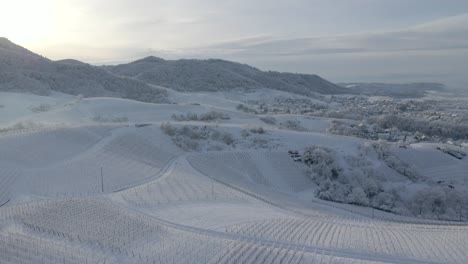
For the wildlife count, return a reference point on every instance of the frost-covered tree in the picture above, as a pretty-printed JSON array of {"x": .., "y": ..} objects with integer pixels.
[
  {"x": 323, "y": 163},
  {"x": 357, "y": 196}
]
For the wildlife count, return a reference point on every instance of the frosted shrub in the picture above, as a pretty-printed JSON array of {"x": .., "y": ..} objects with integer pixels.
[
  {"x": 358, "y": 196},
  {"x": 245, "y": 133},
  {"x": 41, "y": 108},
  {"x": 187, "y": 117},
  {"x": 188, "y": 137},
  {"x": 227, "y": 138},
  {"x": 206, "y": 117},
  {"x": 215, "y": 135},
  {"x": 268, "y": 120},
  {"x": 293, "y": 125},
  {"x": 195, "y": 138},
  {"x": 383, "y": 201},
  {"x": 102, "y": 119},
  {"x": 21, "y": 126},
  {"x": 187, "y": 144},
  {"x": 369, "y": 184},
  {"x": 246, "y": 109},
  {"x": 168, "y": 128},
  {"x": 258, "y": 130},
  {"x": 193, "y": 132},
  {"x": 333, "y": 191},
  {"x": 214, "y": 115},
  {"x": 258, "y": 142}
]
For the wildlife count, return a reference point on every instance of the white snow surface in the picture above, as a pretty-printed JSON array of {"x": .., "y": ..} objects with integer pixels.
[{"x": 97, "y": 181}]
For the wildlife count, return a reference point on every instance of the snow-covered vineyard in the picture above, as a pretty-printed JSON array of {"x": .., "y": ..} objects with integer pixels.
[{"x": 201, "y": 181}]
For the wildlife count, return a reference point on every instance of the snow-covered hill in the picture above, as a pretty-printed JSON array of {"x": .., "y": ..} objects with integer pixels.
[
  {"x": 220, "y": 75},
  {"x": 111, "y": 180},
  {"x": 22, "y": 70}
]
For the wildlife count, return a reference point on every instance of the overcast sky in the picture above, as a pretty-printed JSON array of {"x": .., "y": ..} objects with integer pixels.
[{"x": 342, "y": 40}]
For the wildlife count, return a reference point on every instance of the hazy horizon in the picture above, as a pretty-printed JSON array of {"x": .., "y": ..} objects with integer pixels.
[{"x": 343, "y": 41}]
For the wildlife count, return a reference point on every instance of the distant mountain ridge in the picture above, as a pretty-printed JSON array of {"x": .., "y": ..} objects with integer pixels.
[
  {"x": 407, "y": 90},
  {"x": 220, "y": 75},
  {"x": 24, "y": 71}
]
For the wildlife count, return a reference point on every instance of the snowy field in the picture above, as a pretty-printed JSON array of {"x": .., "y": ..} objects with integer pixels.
[{"x": 201, "y": 180}]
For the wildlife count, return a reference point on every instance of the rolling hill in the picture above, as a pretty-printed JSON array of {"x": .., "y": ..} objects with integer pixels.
[
  {"x": 220, "y": 75},
  {"x": 24, "y": 71}
]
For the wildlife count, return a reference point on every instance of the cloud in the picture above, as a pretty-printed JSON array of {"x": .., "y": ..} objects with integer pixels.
[
  {"x": 436, "y": 51},
  {"x": 445, "y": 34},
  {"x": 432, "y": 52}
]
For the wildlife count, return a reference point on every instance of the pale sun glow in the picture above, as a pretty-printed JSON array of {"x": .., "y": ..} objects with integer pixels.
[{"x": 27, "y": 22}]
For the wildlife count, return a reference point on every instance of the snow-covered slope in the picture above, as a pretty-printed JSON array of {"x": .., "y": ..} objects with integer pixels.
[
  {"x": 435, "y": 164},
  {"x": 220, "y": 75},
  {"x": 21, "y": 70},
  {"x": 99, "y": 180}
]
